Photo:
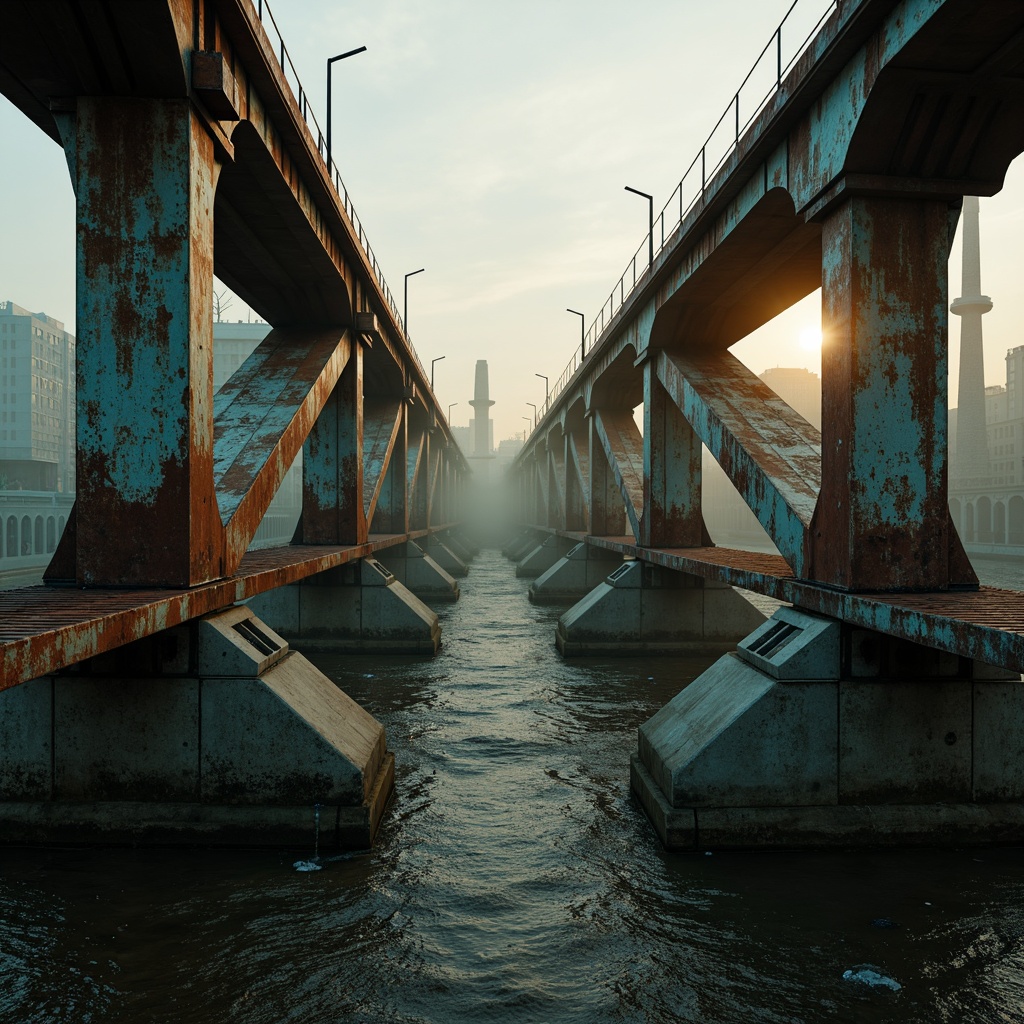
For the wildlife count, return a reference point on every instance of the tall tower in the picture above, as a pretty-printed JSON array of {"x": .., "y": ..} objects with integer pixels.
[
  {"x": 481, "y": 416},
  {"x": 971, "y": 460}
]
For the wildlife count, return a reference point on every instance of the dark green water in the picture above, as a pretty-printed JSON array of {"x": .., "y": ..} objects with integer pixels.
[{"x": 514, "y": 880}]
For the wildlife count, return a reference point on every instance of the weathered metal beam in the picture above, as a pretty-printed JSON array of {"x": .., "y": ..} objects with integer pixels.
[
  {"x": 672, "y": 515},
  {"x": 771, "y": 454},
  {"x": 623, "y": 449},
  {"x": 556, "y": 483},
  {"x": 261, "y": 418},
  {"x": 332, "y": 464},
  {"x": 882, "y": 522},
  {"x": 145, "y": 178},
  {"x": 382, "y": 418}
]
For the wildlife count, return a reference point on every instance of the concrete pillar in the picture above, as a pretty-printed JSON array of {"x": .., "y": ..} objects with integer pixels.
[
  {"x": 523, "y": 542},
  {"x": 212, "y": 732},
  {"x": 356, "y": 607},
  {"x": 815, "y": 733},
  {"x": 644, "y": 608},
  {"x": 332, "y": 465},
  {"x": 539, "y": 559},
  {"x": 445, "y": 557},
  {"x": 454, "y": 543},
  {"x": 145, "y": 512},
  {"x": 572, "y": 577},
  {"x": 420, "y": 574}
]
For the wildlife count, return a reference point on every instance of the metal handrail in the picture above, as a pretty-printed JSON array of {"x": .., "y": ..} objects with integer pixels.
[
  {"x": 285, "y": 62},
  {"x": 635, "y": 272}
]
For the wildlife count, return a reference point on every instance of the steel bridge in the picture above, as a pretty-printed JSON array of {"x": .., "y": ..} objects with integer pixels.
[
  {"x": 193, "y": 150},
  {"x": 848, "y": 176}
]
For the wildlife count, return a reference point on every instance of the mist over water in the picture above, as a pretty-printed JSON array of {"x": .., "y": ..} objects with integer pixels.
[{"x": 513, "y": 880}]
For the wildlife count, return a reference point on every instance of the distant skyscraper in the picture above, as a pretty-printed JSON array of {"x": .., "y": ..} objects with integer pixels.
[
  {"x": 971, "y": 458},
  {"x": 481, "y": 412},
  {"x": 37, "y": 402}
]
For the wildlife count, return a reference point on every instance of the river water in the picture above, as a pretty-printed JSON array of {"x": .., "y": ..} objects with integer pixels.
[{"x": 513, "y": 880}]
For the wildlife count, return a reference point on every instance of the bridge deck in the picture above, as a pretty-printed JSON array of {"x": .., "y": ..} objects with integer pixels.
[
  {"x": 43, "y": 629},
  {"x": 986, "y": 624}
]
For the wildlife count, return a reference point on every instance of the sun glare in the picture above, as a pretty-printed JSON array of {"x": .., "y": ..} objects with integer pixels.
[{"x": 810, "y": 339}]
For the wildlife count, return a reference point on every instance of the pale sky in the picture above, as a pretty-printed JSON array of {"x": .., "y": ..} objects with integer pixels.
[{"x": 490, "y": 143}]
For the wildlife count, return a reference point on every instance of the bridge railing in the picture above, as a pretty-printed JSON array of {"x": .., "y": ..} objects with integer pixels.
[
  {"x": 291, "y": 77},
  {"x": 785, "y": 47}
]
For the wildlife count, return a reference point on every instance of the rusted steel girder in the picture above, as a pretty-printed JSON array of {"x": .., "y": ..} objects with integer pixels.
[
  {"x": 623, "y": 449},
  {"x": 557, "y": 483},
  {"x": 672, "y": 514},
  {"x": 882, "y": 521},
  {"x": 577, "y": 487},
  {"x": 771, "y": 454},
  {"x": 146, "y": 512},
  {"x": 383, "y": 420},
  {"x": 262, "y": 416}
]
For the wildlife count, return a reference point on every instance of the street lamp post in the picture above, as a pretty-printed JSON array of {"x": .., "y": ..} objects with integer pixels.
[
  {"x": 650, "y": 218},
  {"x": 341, "y": 56},
  {"x": 405, "y": 301},
  {"x": 450, "y": 407},
  {"x": 547, "y": 390},
  {"x": 534, "y": 408},
  {"x": 527, "y": 418},
  {"x": 583, "y": 332},
  {"x": 432, "y": 361}
]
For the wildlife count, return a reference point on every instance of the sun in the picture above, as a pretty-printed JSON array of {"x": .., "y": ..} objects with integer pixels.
[{"x": 810, "y": 339}]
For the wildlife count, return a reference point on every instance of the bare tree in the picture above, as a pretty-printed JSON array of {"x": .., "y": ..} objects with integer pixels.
[{"x": 221, "y": 304}]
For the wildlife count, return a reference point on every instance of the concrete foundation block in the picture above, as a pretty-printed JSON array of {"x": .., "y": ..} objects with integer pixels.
[
  {"x": 735, "y": 736},
  {"x": 905, "y": 742},
  {"x": 446, "y": 558},
  {"x": 288, "y": 737},
  {"x": 420, "y": 574},
  {"x": 522, "y": 544},
  {"x": 26, "y": 741},
  {"x": 641, "y": 608},
  {"x": 358, "y": 607},
  {"x": 998, "y": 740},
  {"x": 126, "y": 739},
  {"x": 574, "y": 575},
  {"x": 540, "y": 558},
  {"x": 750, "y": 755},
  {"x": 454, "y": 543},
  {"x": 242, "y": 751}
]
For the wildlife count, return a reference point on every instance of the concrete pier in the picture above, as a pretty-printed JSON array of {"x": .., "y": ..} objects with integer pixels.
[
  {"x": 356, "y": 607},
  {"x": 214, "y": 732},
  {"x": 575, "y": 575},
  {"x": 522, "y": 544},
  {"x": 815, "y": 733},
  {"x": 538, "y": 560},
  {"x": 445, "y": 557},
  {"x": 420, "y": 574},
  {"x": 644, "y": 608}
]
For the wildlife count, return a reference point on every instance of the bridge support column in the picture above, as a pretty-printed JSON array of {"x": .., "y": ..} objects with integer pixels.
[
  {"x": 881, "y": 520},
  {"x": 445, "y": 557},
  {"x": 644, "y": 608},
  {"x": 572, "y": 577},
  {"x": 672, "y": 472},
  {"x": 816, "y": 733},
  {"x": 521, "y": 544},
  {"x": 420, "y": 574},
  {"x": 144, "y": 176},
  {"x": 356, "y": 607},
  {"x": 332, "y": 465},
  {"x": 457, "y": 546},
  {"x": 538, "y": 560},
  {"x": 212, "y": 732}
]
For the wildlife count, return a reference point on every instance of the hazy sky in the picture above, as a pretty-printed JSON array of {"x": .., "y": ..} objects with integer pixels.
[{"x": 490, "y": 144}]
